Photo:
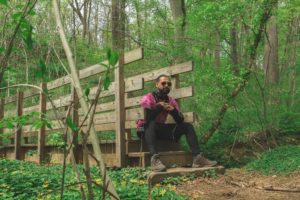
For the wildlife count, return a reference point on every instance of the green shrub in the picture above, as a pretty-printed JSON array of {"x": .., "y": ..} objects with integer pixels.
[{"x": 281, "y": 160}]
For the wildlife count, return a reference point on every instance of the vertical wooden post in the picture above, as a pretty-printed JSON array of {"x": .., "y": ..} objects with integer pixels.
[
  {"x": 42, "y": 131},
  {"x": 19, "y": 130},
  {"x": 120, "y": 113},
  {"x": 1, "y": 116},
  {"x": 75, "y": 118}
]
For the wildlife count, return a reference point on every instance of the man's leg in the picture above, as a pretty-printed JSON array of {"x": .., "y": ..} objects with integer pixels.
[
  {"x": 191, "y": 137},
  {"x": 153, "y": 132},
  {"x": 188, "y": 129}
]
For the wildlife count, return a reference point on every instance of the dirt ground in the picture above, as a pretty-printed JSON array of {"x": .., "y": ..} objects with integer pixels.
[{"x": 238, "y": 184}]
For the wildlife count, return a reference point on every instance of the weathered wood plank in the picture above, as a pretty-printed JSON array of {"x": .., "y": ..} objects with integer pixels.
[
  {"x": 135, "y": 101},
  {"x": 133, "y": 115},
  {"x": 26, "y": 94},
  {"x": 42, "y": 130},
  {"x": 156, "y": 177},
  {"x": 17, "y": 150},
  {"x": 120, "y": 115},
  {"x": 171, "y": 70},
  {"x": 130, "y": 57}
]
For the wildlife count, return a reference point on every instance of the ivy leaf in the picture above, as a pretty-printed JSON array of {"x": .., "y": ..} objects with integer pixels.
[
  {"x": 113, "y": 58},
  {"x": 4, "y": 2},
  {"x": 106, "y": 82},
  {"x": 71, "y": 124},
  {"x": 87, "y": 92}
]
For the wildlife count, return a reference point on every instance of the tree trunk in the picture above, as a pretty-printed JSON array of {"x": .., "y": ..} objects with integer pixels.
[
  {"x": 271, "y": 66},
  {"x": 179, "y": 18},
  {"x": 234, "y": 47},
  {"x": 217, "y": 51}
]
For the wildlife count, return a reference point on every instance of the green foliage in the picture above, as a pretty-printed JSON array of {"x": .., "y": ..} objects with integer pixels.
[
  {"x": 281, "y": 160},
  {"x": 24, "y": 180},
  {"x": 4, "y": 2},
  {"x": 71, "y": 124}
]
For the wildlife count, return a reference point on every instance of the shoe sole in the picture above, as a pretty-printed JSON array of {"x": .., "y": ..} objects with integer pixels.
[{"x": 200, "y": 166}]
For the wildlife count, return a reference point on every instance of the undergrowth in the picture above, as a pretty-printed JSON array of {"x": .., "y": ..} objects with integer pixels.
[
  {"x": 24, "y": 180},
  {"x": 280, "y": 161}
]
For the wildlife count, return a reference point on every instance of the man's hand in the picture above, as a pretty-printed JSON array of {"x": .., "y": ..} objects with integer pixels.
[{"x": 166, "y": 106}]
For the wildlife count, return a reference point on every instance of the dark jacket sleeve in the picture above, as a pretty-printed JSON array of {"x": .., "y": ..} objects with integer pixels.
[
  {"x": 178, "y": 116},
  {"x": 151, "y": 114}
]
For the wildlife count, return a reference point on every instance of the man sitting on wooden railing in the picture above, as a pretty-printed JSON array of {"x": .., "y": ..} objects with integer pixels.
[{"x": 159, "y": 106}]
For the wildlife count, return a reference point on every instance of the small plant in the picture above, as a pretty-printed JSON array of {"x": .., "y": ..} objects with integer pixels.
[{"x": 210, "y": 174}]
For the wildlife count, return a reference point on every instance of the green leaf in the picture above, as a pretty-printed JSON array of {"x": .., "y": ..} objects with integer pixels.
[
  {"x": 17, "y": 16},
  {"x": 28, "y": 38},
  {"x": 4, "y": 2},
  {"x": 42, "y": 69},
  {"x": 113, "y": 58},
  {"x": 106, "y": 82},
  {"x": 48, "y": 125},
  {"x": 87, "y": 92},
  {"x": 108, "y": 54},
  {"x": 2, "y": 50},
  {"x": 71, "y": 124},
  {"x": 104, "y": 65}
]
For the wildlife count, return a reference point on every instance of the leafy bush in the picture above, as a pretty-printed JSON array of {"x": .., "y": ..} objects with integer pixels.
[
  {"x": 24, "y": 180},
  {"x": 281, "y": 160}
]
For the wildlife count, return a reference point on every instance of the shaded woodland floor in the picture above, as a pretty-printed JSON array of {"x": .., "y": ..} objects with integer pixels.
[{"x": 239, "y": 184}]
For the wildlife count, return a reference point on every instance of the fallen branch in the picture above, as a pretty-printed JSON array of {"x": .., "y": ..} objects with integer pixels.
[{"x": 278, "y": 189}]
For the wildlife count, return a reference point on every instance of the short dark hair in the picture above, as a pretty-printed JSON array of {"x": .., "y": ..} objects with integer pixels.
[{"x": 162, "y": 75}]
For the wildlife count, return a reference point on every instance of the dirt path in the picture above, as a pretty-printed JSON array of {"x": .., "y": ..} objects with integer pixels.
[{"x": 237, "y": 184}]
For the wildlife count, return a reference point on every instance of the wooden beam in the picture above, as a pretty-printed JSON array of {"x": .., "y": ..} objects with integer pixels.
[
  {"x": 130, "y": 57},
  {"x": 42, "y": 130},
  {"x": 1, "y": 116},
  {"x": 171, "y": 70},
  {"x": 17, "y": 150},
  {"x": 75, "y": 117},
  {"x": 120, "y": 115},
  {"x": 135, "y": 101}
]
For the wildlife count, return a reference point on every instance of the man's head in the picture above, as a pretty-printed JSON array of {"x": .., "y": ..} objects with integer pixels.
[{"x": 163, "y": 84}]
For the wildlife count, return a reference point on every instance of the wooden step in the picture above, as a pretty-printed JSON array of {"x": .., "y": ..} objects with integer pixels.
[
  {"x": 169, "y": 158},
  {"x": 156, "y": 177}
]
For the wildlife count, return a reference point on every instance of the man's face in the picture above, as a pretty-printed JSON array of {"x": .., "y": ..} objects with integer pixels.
[{"x": 164, "y": 84}]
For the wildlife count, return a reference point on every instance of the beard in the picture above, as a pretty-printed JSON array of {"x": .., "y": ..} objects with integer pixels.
[{"x": 164, "y": 91}]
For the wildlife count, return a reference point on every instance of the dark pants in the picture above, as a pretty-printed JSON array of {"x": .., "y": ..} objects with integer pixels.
[{"x": 173, "y": 132}]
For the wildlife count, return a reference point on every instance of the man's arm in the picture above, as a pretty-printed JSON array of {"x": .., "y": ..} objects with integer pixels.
[
  {"x": 151, "y": 114},
  {"x": 178, "y": 116}
]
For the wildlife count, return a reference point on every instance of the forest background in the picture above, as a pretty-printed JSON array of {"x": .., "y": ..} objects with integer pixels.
[{"x": 217, "y": 36}]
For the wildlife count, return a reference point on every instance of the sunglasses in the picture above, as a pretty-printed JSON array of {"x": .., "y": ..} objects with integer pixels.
[{"x": 166, "y": 83}]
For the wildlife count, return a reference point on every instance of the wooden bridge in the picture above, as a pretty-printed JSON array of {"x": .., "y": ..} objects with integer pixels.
[{"x": 25, "y": 139}]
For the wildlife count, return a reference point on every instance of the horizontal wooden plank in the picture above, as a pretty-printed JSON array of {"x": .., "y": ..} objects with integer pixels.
[
  {"x": 171, "y": 70},
  {"x": 129, "y": 57},
  {"x": 27, "y": 93},
  {"x": 135, "y": 101},
  {"x": 111, "y": 126}
]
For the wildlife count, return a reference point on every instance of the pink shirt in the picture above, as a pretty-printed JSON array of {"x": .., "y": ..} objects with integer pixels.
[{"x": 148, "y": 101}]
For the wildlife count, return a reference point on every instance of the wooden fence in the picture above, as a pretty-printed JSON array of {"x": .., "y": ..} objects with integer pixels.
[{"x": 104, "y": 120}]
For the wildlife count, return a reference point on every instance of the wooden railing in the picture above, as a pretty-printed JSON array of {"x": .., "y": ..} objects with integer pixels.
[{"x": 105, "y": 117}]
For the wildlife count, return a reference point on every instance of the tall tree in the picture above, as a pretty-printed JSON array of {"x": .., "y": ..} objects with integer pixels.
[{"x": 271, "y": 66}]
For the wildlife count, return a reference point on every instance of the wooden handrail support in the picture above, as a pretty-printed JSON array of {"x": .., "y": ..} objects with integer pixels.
[{"x": 18, "y": 133}]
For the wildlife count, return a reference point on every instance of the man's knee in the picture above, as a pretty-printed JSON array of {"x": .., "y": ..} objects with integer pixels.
[{"x": 188, "y": 125}]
